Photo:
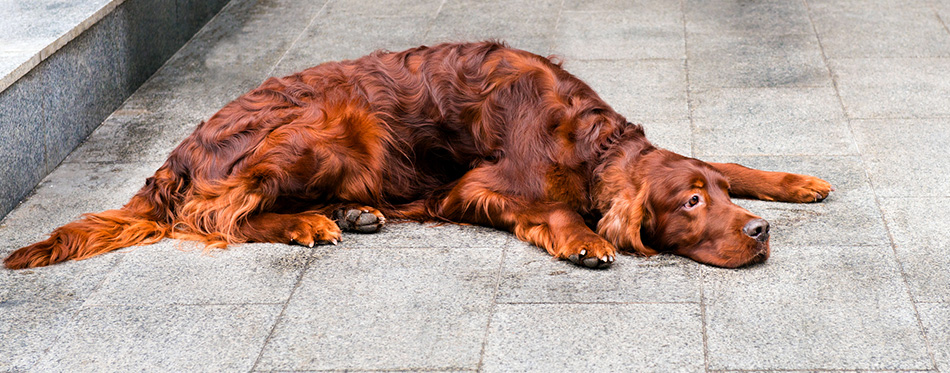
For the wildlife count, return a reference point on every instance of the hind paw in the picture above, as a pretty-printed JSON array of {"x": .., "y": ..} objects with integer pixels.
[
  {"x": 359, "y": 219},
  {"x": 314, "y": 229}
]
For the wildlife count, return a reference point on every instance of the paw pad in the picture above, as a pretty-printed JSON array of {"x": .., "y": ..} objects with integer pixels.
[{"x": 359, "y": 220}]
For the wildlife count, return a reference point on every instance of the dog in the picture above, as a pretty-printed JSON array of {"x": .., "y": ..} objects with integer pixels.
[{"x": 474, "y": 133}]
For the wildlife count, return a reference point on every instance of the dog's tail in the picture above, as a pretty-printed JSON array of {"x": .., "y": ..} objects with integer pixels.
[{"x": 147, "y": 218}]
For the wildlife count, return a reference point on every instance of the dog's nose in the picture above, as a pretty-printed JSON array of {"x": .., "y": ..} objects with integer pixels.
[{"x": 757, "y": 229}]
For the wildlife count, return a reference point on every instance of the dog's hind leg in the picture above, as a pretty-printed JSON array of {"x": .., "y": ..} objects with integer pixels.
[
  {"x": 305, "y": 228},
  {"x": 322, "y": 225},
  {"x": 745, "y": 182}
]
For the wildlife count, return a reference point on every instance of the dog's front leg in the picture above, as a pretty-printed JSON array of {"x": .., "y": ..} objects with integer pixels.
[
  {"x": 553, "y": 226},
  {"x": 745, "y": 182},
  {"x": 563, "y": 233}
]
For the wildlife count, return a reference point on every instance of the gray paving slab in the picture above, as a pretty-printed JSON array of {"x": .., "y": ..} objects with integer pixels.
[
  {"x": 186, "y": 338},
  {"x": 412, "y": 235},
  {"x": 918, "y": 230},
  {"x": 227, "y": 58},
  {"x": 638, "y": 89},
  {"x": 848, "y": 217},
  {"x": 652, "y": 30},
  {"x": 725, "y": 17},
  {"x": 71, "y": 190},
  {"x": 751, "y": 60},
  {"x": 893, "y": 87},
  {"x": 595, "y": 338},
  {"x": 531, "y": 275},
  {"x": 482, "y": 20},
  {"x": 675, "y": 135},
  {"x": 943, "y": 10},
  {"x": 387, "y": 309},
  {"x": 814, "y": 307},
  {"x": 28, "y": 327},
  {"x": 342, "y": 36},
  {"x": 35, "y": 306},
  {"x": 934, "y": 317},
  {"x": 889, "y": 28},
  {"x": 616, "y": 5},
  {"x": 181, "y": 272},
  {"x": 385, "y": 8},
  {"x": 905, "y": 157},
  {"x": 135, "y": 136},
  {"x": 773, "y": 121}
]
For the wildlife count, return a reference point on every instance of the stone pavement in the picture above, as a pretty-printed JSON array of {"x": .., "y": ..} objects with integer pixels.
[{"x": 856, "y": 92}]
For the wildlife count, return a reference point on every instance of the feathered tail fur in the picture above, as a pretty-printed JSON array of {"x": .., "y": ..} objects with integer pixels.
[{"x": 145, "y": 219}]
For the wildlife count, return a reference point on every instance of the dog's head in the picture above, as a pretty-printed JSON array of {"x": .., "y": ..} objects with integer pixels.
[{"x": 664, "y": 202}]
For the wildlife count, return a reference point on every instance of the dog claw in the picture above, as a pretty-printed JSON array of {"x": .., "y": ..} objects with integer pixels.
[
  {"x": 583, "y": 253},
  {"x": 334, "y": 241}
]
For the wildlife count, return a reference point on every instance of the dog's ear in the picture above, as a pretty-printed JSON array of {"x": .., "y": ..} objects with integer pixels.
[{"x": 629, "y": 212}]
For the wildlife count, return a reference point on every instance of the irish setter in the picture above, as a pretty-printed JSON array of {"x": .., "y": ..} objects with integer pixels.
[{"x": 473, "y": 133}]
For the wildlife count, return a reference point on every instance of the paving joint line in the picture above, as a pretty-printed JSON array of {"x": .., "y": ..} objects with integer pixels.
[
  {"x": 693, "y": 151},
  {"x": 874, "y": 192},
  {"x": 493, "y": 304},
  {"x": 297, "y": 39},
  {"x": 557, "y": 25},
  {"x": 286, "y": 303},
  {"x": 80, "y": 306},
  {"x": 939, "y": 18},
  {"x": 689, "y": 88},
  {"x": 431, "y": 22}
]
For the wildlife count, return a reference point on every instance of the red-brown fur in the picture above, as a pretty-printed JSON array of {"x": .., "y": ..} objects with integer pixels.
[{"x": 470, "y": 133}]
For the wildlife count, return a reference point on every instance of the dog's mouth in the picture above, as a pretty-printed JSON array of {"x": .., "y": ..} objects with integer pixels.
[
  {"x": 760, "y": 256},
  {"x": 733, "y": 257}
]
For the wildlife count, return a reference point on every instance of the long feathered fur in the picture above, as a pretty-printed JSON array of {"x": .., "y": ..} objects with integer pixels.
[{"x": 469, "y": 132}]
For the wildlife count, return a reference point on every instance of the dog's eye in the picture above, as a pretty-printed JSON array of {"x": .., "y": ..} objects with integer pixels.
[{"x": 693, "y": 201}]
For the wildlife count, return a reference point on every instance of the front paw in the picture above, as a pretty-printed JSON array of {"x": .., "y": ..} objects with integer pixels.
[
  {"x": 805, "y": 189},
  {"x": 597, "y": 254}
]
